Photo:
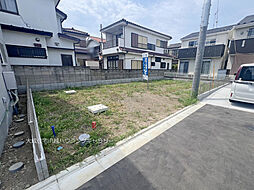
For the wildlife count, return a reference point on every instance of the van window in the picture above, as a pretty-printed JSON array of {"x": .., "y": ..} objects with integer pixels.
[{"x": 247, "y": 73}]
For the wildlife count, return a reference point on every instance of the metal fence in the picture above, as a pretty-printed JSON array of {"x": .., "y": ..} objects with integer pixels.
[
  {"x": 38, "y": 151},
  {"x": 206, "y": 86}
]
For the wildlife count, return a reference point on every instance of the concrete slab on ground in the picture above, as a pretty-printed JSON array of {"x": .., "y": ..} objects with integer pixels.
[{"x": 221, "y": 98}]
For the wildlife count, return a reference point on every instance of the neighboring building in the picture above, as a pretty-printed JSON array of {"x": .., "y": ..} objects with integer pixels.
[
  {"x": 87, "y": 51},
  {"x": 242, "y": 44},
  {"x": 173, "y": 51},
  {"x": 31, "y": 34},
  {"x": 226, "y": 48},
  {"x": 125, "y": 43},
  {"x": 214, "y": 55}
]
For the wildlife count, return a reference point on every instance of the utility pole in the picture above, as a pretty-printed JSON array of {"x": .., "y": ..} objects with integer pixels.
[{"x": 201, "y": 47}]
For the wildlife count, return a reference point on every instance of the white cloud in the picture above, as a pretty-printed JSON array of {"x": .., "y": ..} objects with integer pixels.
[{"x": 174, "y": 17}]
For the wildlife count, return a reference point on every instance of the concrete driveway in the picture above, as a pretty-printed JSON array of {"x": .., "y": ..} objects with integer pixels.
[
  {"x": 221, "y": 97},
  {"x": 213, "y": 148}
]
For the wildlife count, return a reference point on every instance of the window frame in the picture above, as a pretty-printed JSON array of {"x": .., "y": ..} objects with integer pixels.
[
  {"x": 139, "y": 62},
  {"x": 144, "y": 45},
  {"x": 163, "y": 65},
  {"x": 251, "y": 32},
  {"x": 18, "y": 52},
  {"x": 10, "y": 12},
  {"x": 202, "y": 67}
]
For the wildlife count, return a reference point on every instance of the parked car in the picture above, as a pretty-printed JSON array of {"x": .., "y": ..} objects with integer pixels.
[{"x": 242, "y": 89}]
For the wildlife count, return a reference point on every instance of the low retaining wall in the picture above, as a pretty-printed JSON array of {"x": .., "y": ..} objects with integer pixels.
[
  {"x": 53, "y": 77},
  {"x": 38, "y": 151}
]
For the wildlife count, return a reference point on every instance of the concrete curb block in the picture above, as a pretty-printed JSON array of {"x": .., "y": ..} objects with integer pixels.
[
  {"x": 76, "y": 175},
  {"x": 38, "y": 151},
  {"x": 208, "y": 93}
]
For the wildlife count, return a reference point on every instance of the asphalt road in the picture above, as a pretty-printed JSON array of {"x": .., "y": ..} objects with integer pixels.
[{"x": 211, "y": 149}]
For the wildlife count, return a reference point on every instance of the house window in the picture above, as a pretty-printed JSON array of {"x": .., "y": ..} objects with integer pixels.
[
  {"x": 205, "y": 69},
  {"x": 211, "y": 42},
  {"x": 163, "y": 65},
  {"x": 161, "y": 44},
  {"x": 184, "y": 66},
  {"x": 136, "y": 64},
  {"x": 113, "y": 62},
  {"x": 153, "y": 64},
  {"x": 142, "y": 42},
  {"x": 26, "y": 52},
  {"x": 193, "y": 43},
  {"x": 9, "y": 6},
  {"x": 151, "y": 47},
  {"x": 251, "y": 32},
  {"x": 67, "y": 60},
  {"x": 157, "y": 59},
  {"x": 138, "y": 41}
]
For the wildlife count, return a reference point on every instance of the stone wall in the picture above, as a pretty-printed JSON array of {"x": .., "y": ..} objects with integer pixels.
[{"x": 53, "y": 77}]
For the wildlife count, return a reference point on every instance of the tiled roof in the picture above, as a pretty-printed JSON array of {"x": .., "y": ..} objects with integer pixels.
[
  {"x": 211, "y": 31},
  {"x": 97, "y": 39},
  {"x": 247, "y": 20},
  {"x": 137, "y": 25},
  {"x": 75, "y": 31}
]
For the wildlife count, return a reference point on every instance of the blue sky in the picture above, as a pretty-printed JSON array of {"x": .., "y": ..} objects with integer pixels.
[{"x": 173, "y": 17}]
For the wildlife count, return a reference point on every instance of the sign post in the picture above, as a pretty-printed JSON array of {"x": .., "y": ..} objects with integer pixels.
[{"x": 145, "y": 67}]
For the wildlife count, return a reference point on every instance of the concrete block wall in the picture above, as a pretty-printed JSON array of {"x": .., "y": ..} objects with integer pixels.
[{"x": 54, "y": 77}]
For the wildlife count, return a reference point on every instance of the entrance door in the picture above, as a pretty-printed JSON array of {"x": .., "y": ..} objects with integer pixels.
[
  {"x": 184, "y": 66},
  {"x": 67, "y": 60}
]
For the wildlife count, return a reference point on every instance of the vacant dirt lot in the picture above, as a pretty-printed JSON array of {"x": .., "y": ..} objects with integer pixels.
[{"x": 131, "y": 108}]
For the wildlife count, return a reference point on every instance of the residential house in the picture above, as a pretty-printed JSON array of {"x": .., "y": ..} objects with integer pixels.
[
  {"x": 125, "y": 43},
  {"x": 214, "y": 56},
  {"x": 31, "y": 34},
  {"x": 226, "y": 48},
  {"x": 173, "y": 51},
  {"x": 242, "y": 44},
  {"x": 87, "y": 50}
]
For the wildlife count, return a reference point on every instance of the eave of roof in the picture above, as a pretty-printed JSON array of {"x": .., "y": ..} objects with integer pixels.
[
  {"x": 74, "y": 31},
  {"x": 131, "y": 23},
  {"x": 143, "y": 51},
  {"x": 61, "y": 35},
  {"x": 64, "y": 16},
  {"x": 26, "y": 30}
]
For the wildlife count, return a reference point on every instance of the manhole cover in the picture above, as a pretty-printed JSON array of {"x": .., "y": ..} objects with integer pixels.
[
  {"x": 19, "y": 144},
  {"x": 16, "y": 167}
]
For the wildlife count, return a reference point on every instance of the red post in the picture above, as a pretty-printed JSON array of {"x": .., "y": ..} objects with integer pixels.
[{"x": 94, "y": 125}]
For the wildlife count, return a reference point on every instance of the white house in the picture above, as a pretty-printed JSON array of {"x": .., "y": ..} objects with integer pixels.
[
  {"x": 31, "y": 34},
  {"x": 242, "y": 44},
  {"x": 87, "y": 50},
  {"x": 215, "y": 57},
  {"x": 125, "y": 43},
  {"x": 226, "y": 48}
]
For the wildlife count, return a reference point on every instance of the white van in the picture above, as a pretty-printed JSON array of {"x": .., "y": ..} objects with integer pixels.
[{"x": 242, "y": 89}]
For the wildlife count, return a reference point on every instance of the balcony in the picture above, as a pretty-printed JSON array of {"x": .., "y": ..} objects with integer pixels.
[
  {"x": 210, "y": 52},
  {"x": 119, "y": 42}
]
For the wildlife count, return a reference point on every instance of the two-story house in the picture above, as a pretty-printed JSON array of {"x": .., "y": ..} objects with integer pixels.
[
  {"x": 215, "y": 56},
  {"x": 242, "y": 44},
  {"x": 31, "y": 34},
  {"x": 125, "y": 43},
  {"x": 87, "y": 50}
]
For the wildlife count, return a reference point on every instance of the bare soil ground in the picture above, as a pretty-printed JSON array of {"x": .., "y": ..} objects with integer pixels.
[
  {"x": 26, "y": 176},
  {"x": 131, "y": 108}
]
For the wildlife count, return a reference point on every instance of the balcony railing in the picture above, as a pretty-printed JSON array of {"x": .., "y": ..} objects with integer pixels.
[{"x": 113, "y": 43}]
